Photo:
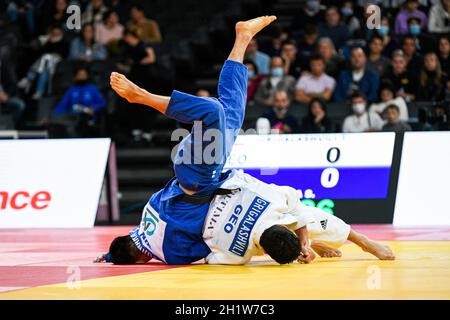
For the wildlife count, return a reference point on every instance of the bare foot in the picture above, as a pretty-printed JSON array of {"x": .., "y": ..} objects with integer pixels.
[
  {"x": 123, "y": 87},
  {"x": 379, "y": 250},
  {"x": 251, "y": 27},
  {"x": 325, "y": 251}
]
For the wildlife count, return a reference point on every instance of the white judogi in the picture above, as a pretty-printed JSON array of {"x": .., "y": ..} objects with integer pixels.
[{"x": 236, "y": 222}]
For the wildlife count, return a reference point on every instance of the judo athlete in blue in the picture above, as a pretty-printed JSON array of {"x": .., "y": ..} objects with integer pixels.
[{"x": 171, "y": 229}]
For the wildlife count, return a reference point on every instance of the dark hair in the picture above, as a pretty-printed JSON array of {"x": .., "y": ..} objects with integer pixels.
[
  {"x": 376, "y": 36},
  {"x": 318, "y": 100},
  {"x": 249, "y": 61},
  {"x": 289, "y": 42},
  {"x": 392, "y": 107},
  {"x": 310, "y": 29},
  {"x": 315, "y": 57},
  {"x": 357, "y": 94},
  {"x": 129, "y": 32},
  {"x": 280, "y": 244},
  {"x": 137, "y": 6},
  {"x": 107, "y": 14},
  {"x": 123, "y": 250}
]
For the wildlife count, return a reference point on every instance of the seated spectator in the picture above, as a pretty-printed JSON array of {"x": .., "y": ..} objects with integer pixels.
[
  {"x": 424, "y": 41},
  {"x": 277, "y": 81},
  {"x": 9, "y": 101},
  {"x": 315, "y": 84},
  {"x": 390, "y": 43},
  {"x": 289, "y": 52},
  {"x": 361, "y": 120},
  {"x": 203, "y": 93},
  {"x": 56, "y": 15},
  {"x": 387, "y": 97},
  {"x": 403, "y": 82},
  {"x": 376, "y": 62},
  {"x": 82, "y": 99},
  {"x": 439, "y": 17},
  {"x": 414, "y": 60},
  {"x": 441, "y": 118},
  {"x": 317, "y": 120},
  {"x": 94, "y": 12},
  {"x": 140, "y": 59},
  {"x": 349, "y": 18},
  {"x": 254, "y": 79},
  {"x": 333, "y": 61},
  {"x": 409, "y": 10},
  {"x": 22, "y": 13},
  {"x": 308, "y": 45},
  {"x": 310, "y": 14},
  {"x": 109, "y": 29},
  {"x": 261, "y": 59},
  {"x": 333, "y": 28},
  {"x": 122, "y": 7},
  {"x": 85, "y": 48},
  {"x": 444, "y": 55},
  {"x": 146, "y": 29},
  {"x": 432, "y": 82},
  {"x": 393, "y": 121},
  {"x": 53, "y": 49},
  {"x": 358, "y": 77},
  {"x": 279, "y": 117}
]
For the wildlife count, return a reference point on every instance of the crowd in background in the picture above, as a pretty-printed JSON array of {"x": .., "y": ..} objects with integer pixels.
[{"x": 327, "y": 55}]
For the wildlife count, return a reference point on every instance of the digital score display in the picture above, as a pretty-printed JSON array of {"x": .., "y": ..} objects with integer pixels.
[{"x": 344, "y": 174}]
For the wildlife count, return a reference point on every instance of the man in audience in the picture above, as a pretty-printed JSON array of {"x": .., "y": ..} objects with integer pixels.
[
  {"x": 280, "y": 119},
  {"x": 315, "y": 84},
  {"x": 261, "y": 59},
  {"x": 439, "y": 17},
  {"x": 289, "y": 53},
  {"x": 308, "y": 45},
  {"x": 277, "y": 81},
  {"x": 404, "y": 83},
  {"x": 387, "y": 97},
  {"x": 333, "y": 28},
  {"x": 414, "y": 59},
  {"x": 376, "y": 62},
  {"x": 361, "y": 120},
  {"x": 146, "y": 29},
  {"x": 310, "y": 14},
  {"x": 392, "y": 116},
  {"x": 358, "y": 77},
  {"x": 333, "y": 60}
]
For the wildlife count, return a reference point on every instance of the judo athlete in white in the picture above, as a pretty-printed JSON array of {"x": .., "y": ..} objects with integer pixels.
[{"x": 205, "y": 213}]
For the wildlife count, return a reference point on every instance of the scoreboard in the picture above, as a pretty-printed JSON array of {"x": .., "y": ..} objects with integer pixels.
[{"x": 344, "y": 174}]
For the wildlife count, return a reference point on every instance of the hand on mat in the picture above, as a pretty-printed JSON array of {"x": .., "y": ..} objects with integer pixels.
[
  {"x": 307, "y": 255},
  {"x": 100, "y": 258}
]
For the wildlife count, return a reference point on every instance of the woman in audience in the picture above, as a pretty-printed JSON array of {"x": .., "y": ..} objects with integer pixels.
[
  {"x": 85, "y": 47},
  {"x": 431, "y": 81},
  {"x": 110, "y": 30},
  {"x": 317, "y": 120}
]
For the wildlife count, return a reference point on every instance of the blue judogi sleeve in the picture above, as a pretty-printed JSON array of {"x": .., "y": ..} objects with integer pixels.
[{"x": 194, "y": 169}]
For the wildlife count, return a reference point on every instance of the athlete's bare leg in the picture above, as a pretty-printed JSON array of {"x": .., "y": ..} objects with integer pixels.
[
  {"x": 379, "y": 250},
  {"x": 245, "y": 31},
  {"x": 325, "y": 251}
]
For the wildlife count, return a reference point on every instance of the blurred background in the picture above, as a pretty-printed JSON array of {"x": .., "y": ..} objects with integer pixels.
[{"x": 319, "y": 69}]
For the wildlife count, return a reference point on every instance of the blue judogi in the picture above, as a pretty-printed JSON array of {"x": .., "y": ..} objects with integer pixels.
[{"x": 171, "y": 229}]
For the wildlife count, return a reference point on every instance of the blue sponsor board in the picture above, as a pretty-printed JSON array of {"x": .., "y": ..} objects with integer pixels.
[
  {"x": 242, "y": 236},
  {"x": 350, "y": 183}
]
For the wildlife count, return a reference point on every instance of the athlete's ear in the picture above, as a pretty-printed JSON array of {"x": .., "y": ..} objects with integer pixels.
[{"x": 143, "y": 258}]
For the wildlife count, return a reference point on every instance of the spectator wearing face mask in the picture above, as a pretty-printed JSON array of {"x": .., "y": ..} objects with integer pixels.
[
  {"x": 424, "y": 41},
  {"x": 439, "y": 17},
  {"x": 393, "y": 121},
  {"x": 277, "y": 81},
  {"x": 316, "y": 83},
  {"x": 310, "y": 14},
  {"x": 387, "y": 97},
  {"x": 361, "y": 120},
  {"x": 390, "y": 43},
  {"x": 357, "y": 78},
  {"x": 279, "y": 118},
  {"x": 376, "y": 61},
  {"x": 333, "y": 27},
  {"x": 410, "y": 10},
  {"x": 349, "y": 18},
  {"x": 317, "y": 120},
  {"x": 261, "y": 59},
  {"x": 403, "y": 82}
]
